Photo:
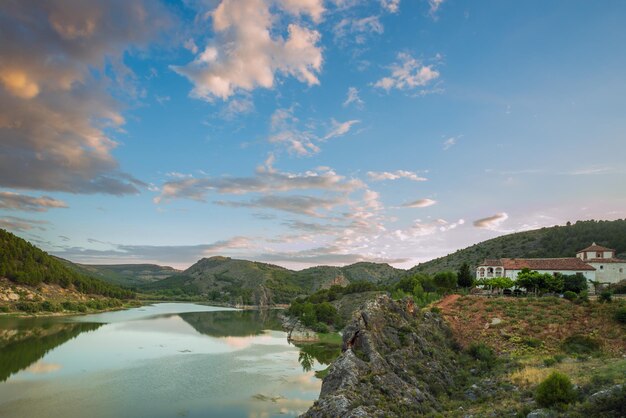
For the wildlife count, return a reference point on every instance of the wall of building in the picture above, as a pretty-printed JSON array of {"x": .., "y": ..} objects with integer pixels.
[
  {"x": 609, "y": 272},
  {"x": 589, "y": 274}
]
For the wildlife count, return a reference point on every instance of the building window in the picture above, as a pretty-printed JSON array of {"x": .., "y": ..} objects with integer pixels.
[
  {"x": 601, "y": 267},
  {"x": 481, "y": 272},
  {"x": 621, "y": 270},
  {"x": 599, "y": 255}
]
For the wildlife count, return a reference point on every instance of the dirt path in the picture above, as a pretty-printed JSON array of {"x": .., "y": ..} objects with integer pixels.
[{"x": 447, "y": 301}]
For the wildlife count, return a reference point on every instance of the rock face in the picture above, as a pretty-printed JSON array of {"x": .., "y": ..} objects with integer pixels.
[
  {"x": 297, "y": 332},
  {"x": 396, "y": 360}
]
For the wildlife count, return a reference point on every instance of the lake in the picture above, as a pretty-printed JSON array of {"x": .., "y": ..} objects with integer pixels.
[{"x": 161, "y": 360}]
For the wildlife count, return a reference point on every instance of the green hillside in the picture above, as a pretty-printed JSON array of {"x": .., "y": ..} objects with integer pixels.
[
  {"x": 23, "y": 263},
  {"x": 125, "y": 275},
  {"x": 229, "y": 280},
  {"x": 556, "y": 241}
]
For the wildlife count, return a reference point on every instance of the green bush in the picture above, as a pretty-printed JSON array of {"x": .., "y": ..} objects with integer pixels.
[
  {"x": 606, "y": 296},
  {"x": 321, "y": 327},
  {"x": 580, "y": 344},
  {"x": 569, "y": 295},
  {"x": 30, "y": 307},
  {"x": 482, "y": 353},
  {"x": 555, "y": 390},
  {"x": 50, "y": 306},
  {"x": 4, "y": 308},
  {"x": 620, "y": 315},
  {"x": 435, "y": 309}
]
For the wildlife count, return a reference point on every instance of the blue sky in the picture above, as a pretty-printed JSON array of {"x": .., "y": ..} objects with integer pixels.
[{"x": 304, "y": 132}]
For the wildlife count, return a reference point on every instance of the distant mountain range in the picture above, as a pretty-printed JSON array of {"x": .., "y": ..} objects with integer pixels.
[
  {"x": 127, "y": 275},
  {"x": 229, "y": 280}
]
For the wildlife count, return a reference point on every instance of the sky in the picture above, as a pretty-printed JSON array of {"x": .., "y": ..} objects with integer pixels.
[{"x": 306, "y": 132}]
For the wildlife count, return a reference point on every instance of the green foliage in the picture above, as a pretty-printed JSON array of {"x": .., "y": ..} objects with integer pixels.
[
  {"x": 574, "y": 283},
  {"x": 555, "y": 390},
  {"x": 569, "y": 295},
  {"x": 613, "y": 405},
  {"x": 620, "y": 315},
  {"x": 606, "y": 296},
  {"x": 499, "y": 283},
  {"x": 446, "y": 281},
  {"x": 464, "y": 276},
  {"x": 23, "y": 263},
  {"x": 482, "y": 353},
  {"x": 580, "y": 344}
]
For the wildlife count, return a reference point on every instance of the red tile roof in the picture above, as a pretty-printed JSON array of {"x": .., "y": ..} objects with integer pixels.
[
  {"x": 571, "y": 263},
  {"x": 596, "y": 247},
  {"x": 491, "y": 262},
  {"x": 605, "y": 260}
]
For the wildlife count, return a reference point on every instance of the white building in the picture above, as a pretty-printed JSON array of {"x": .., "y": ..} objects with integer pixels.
[
  {"x": 594, "y": 262},
  {"x": 608, "y": 268},
  {"x": 511, "y": 267}
]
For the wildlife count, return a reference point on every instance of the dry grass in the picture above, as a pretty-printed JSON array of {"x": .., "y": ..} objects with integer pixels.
[{"x": 526, "y": 320}]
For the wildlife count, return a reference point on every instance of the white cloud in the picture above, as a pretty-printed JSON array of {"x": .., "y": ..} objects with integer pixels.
[
  {"x": 434, "y": 6},
  {"x": 339, "y": 128},
  {"x": 394, "y": 175},
  {"x": 450, "y": 142},
  {"x": 16, "y": 201},
  {"x": 16, "y": 224},
  {"x": 422, "y": 229},
  {"x": 491, "y": 222},
  {"x": 303, "y": 205},
  {"x": 265, "y": 180},
  {"x": 246, "y": 54},
  {"x": 421, "y": 203},
  {"x": 357, "y": 29},
  {"x": 59, "y": 63},
  {"x": 393, "y": 6},
  {"x": 407, "y": 74},
  {"x": 352, "y": 97},
  {"x": 286, "y": 130}
]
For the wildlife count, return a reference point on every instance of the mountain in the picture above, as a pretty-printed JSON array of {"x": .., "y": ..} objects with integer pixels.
[
  {"x": 125, "y": 275},
  {"x": 556, "y": 241},
  {"x": 230, "y": 280},
  {"x": 23, "y": 263}
]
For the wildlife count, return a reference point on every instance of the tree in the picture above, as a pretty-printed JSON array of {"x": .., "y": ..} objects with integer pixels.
[
  {"x": 500, "y": 283},
  {"x": 446, "y": 280},
  {"x": 575, "y": 283},
  {"x": 532, "y": 281},
  {"x": 464, "y": 276},
  {"x": 554, "y": 283}
]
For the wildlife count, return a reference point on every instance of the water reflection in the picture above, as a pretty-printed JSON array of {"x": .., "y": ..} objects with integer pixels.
[
  {"x": 234, "y": 324},
  {"x": 157, "y": 361},
  {"x": 25, "y": 341},
  {"x": 323, "y": 353}
]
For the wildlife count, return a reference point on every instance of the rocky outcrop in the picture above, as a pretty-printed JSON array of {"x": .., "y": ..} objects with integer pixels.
[
  {"x": 396, "y": 361},
  {"x": 297, "y": 332}
]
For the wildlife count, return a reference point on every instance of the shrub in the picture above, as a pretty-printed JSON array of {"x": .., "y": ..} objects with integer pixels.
[
  {"x": 435, "y": 309},
  {"x": 620, "y": 315},
  {"x": 50, "y": 306},
  {"x": 606, "y": 296},
  {"x": 30, "y": 307},
  {"x": 569, "y": 295},
  {"x": 580, "y": 344},
  {"x": 556, "y": 390},
  {"x": 4, "y": 308},
  {"x": 482, "y": 353},
  {"x": 321, "y": 327}
]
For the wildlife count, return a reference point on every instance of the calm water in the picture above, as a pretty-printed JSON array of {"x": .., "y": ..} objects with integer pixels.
[{"x": 163, "y": 360}]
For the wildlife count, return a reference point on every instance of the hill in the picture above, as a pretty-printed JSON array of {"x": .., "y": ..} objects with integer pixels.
[
  {"x": 23, "y": 263},
  {"x": 228, "y": 280},
  {"x": 125, "y": 275},
  {"x": 556, "y": 241}
]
